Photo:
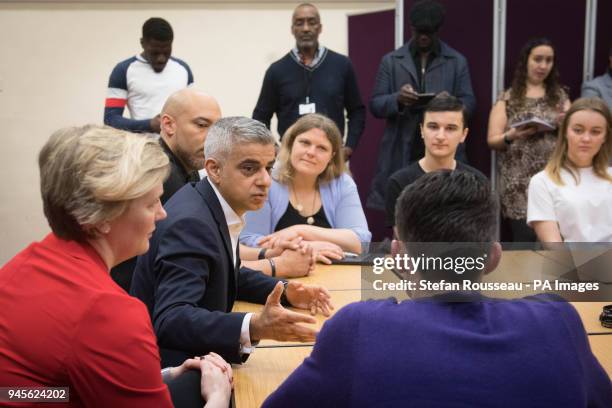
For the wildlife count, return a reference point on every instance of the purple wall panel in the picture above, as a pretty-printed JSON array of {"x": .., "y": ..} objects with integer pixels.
[
  {"x": 560, "y": 21},
  {"x": 468, "y": 28},
  {"x": 370, "y": 37},
  {"x": 603, "y": 39}
]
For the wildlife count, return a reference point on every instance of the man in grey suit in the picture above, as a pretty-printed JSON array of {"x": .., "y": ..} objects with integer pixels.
[
  {"x": 601, "y": 86},
  {"x": 424, "y": 65}
]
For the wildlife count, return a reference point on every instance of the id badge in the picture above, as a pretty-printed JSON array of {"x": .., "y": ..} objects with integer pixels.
[{"x": 306, "y": 108}]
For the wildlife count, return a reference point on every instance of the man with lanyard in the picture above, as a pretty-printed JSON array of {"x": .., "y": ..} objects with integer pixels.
[
  {"x": 311, "y": 78},
  {"x": 406, "y": 80}
]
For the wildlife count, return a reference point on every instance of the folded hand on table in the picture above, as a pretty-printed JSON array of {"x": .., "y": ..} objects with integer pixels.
[
  {"x": 295, "y": 263},
  {"x": 217, "y": 381},
  {"x": 325, "y": 252},
  {"x": 216, "y": 378},
  {"x": 280, "y": 238},
  {"x": 280, "y": 245},
  {"x": 195, "y": 364}
]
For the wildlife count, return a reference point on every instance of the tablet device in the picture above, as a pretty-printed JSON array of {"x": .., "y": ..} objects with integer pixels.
[
  {"x": 354, "y": 259},
  {"x": 540, "y": 124}
]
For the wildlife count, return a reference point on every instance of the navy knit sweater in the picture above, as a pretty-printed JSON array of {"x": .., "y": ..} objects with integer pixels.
[{"x": 330, "y": 84}]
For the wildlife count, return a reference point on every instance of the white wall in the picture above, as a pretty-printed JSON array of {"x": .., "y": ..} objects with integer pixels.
[{"x": 55, "y": 60}]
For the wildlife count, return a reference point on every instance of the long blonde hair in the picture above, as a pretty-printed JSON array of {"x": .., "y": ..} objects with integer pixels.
[{"x": 559, "y": 159}]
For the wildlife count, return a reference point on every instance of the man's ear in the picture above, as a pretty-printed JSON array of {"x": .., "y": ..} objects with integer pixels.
[
  {"x": 142, "y": 42},
  {"x": 494, "y": 258},
  {"x": 213, "y": 169},
  {"x": 168, "y": 125},
  {"x": 465, "y": 133},
  {"x": 399, "y": 248}
]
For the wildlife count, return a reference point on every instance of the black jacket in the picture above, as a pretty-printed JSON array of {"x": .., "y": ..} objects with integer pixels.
[{"x": 189, "y": 283}]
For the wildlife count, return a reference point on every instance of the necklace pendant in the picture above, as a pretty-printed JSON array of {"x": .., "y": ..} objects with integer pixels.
[{"x": 310, "y": 220}]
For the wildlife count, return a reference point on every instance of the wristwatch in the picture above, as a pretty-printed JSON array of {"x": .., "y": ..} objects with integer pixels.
[{"x": 262, "y": 253}]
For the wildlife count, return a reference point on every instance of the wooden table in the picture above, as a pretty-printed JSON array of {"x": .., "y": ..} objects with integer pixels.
[
  {"x": 265, "y": 370},
  {"x": 273, "y": 361},
  {"x": 589, "y": 313},
  {"x": 602, "y": 348},
  {"x": 335, "y": 277}
]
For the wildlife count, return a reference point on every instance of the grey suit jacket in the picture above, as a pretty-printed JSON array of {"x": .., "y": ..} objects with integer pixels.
[{"x": 600, "y": 87}]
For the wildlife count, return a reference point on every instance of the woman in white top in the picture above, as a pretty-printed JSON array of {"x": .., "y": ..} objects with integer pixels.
[{"x": 571, "y": 200}]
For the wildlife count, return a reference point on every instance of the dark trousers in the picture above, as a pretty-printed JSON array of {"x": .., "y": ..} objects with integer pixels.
[
  {"x": 521, "y": 232},
  {"x": 185, "y": 390}
]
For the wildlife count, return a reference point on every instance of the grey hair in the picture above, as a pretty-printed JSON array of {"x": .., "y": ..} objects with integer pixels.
[{"x": 232, "y": 131}]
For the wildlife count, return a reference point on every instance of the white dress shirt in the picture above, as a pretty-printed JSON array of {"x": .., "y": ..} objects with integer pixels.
[{"x": 235, "y": 224}]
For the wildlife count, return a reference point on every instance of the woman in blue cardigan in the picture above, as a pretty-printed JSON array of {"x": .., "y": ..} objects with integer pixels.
[{"x": 312, "y": 198}]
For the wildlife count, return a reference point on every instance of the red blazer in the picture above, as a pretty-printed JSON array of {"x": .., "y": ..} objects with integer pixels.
[{"x": 64, "y": 322}]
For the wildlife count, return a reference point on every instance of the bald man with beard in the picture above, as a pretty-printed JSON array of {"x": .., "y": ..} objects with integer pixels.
[{"x": 184, "y": 120}]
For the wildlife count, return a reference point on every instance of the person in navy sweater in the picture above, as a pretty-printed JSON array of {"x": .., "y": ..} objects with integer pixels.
[
  {"x": 433, "y": 352},
  {"x": 311, "y": 79}
]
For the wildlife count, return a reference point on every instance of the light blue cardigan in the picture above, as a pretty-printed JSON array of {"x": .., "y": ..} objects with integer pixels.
[{"x": 340, "y": 201}]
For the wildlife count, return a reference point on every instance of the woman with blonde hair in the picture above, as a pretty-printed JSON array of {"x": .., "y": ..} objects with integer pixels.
[
  {"x": 571, "y": 200},
  {"x": 64, "y": 322},
  {"x": 524, "y": 150},
  {"x": 312, "y": 197}
]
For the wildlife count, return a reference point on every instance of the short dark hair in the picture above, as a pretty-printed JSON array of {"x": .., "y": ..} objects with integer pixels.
[
  {"x": 446, "y": 103},
  {"x": 427, "y": 15},
  {"x": 447, "y": 206},
  {"x": 157, "y": 28}
]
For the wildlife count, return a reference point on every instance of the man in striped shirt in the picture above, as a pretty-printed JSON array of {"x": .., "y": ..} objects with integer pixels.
[{"x": 145, "y": 81}]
